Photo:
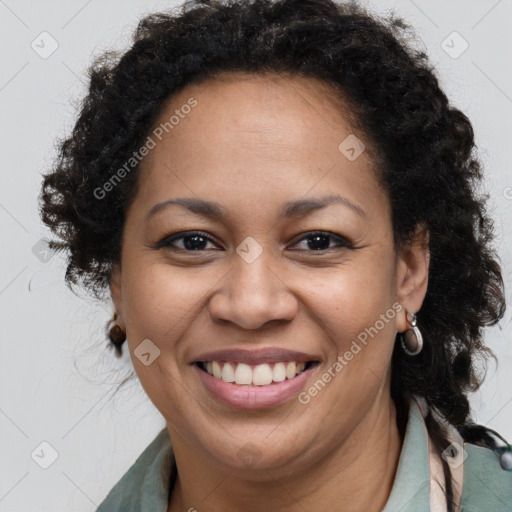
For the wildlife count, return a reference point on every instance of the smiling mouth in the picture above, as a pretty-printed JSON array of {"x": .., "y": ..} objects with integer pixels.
[{"x": 241, "y": 374}]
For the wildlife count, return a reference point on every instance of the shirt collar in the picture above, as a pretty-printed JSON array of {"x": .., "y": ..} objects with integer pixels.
[
  {"x": 411, "y": 488},
  {"x": 145, "y": 486}
]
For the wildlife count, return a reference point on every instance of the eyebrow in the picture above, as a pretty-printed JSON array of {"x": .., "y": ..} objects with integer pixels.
[{"x": 290, "y": 209}]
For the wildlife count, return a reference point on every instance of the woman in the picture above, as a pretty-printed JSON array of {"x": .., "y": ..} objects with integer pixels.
[{"x": 282, "y": 205}]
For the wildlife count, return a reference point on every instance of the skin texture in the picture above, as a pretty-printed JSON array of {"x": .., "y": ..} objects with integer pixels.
[{"x": 251, "y": 144}]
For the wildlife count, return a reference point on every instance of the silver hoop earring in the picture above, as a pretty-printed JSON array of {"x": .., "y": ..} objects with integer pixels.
[{"x": 412, "y": 340}]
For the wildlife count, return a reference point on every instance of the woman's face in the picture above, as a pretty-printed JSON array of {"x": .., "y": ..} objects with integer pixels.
[{"x": 268, "y": 290}]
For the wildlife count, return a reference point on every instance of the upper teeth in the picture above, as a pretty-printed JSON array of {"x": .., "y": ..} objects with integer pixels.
[{"x": 258, "y": 375}]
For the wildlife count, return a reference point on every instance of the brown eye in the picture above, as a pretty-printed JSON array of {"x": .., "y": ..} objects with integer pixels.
[
  {"x": 321, "y": 241},
  {"x": 190, "y": 241}
]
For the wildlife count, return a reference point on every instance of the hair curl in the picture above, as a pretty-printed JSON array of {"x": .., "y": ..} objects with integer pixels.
[{"x": 425, "y": 149}]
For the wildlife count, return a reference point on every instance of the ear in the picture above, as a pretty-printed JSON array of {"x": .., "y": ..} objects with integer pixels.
[
  {"x": 413, "y": 261},
  {"x": 116, "y": 293}
]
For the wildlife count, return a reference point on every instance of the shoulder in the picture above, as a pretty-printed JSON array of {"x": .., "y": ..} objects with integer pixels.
[
  {"x": 487, "y": 486},
  {"x": 144, "y": 486}
]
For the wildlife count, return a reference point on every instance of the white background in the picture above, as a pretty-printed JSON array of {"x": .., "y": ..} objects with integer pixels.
[{"x": 57, "y": 379}]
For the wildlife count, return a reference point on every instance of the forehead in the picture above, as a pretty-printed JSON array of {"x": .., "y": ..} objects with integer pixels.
[
  {"x": 265, "y": 136},
  {"x": 270, "y": 104}
]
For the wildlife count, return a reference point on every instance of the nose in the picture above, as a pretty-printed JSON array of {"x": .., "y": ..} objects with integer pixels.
[{"x": 253, "y": 294}]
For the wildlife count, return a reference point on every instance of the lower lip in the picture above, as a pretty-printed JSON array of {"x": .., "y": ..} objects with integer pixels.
[{"x": 253, "y": 397}]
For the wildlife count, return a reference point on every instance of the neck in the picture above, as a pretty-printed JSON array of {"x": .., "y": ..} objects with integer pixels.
[{"x": 359, "y": 472}]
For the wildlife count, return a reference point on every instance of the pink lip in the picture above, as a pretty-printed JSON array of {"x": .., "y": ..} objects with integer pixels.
[
  {"x": 253, "y": 397},
  {"x": 259, "y": 356}
]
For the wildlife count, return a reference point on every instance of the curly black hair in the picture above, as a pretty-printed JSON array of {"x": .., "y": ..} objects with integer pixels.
[{"x": 424, "y": 148}]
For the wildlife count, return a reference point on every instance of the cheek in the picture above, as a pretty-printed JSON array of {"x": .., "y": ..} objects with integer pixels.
[
  {"x": 355, "y": 298},
  {"x": 356, "y": 314},
  {"x": 161, "y": 299},
  {"x": 160, "y": 303}
]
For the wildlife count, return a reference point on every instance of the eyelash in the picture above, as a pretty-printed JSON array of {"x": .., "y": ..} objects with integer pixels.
[{"x": 168, "y": 240}]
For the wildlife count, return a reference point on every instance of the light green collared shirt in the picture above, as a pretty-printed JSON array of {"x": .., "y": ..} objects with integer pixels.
[{"x": 486, "y": 486}]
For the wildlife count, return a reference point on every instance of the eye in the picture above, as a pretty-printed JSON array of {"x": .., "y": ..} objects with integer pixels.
[
  {"x": 320, "y": 241},
  {"x": 194, "y": 241},
  {"x": 191, "y": 241}
]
